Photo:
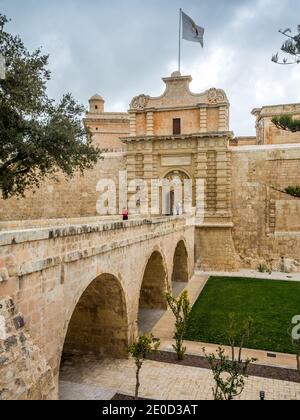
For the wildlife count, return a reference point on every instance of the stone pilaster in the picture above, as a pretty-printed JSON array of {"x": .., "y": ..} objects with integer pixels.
[
  {"x": 201, "y": 171},
  {"x": 150, "y": 123},
  {"x": 203, "y": 120},
  {"x": 223, "y": 119},
  {"x": 130, "y": 166},
  {"x": 222, "y": 192},
  {"x": 132, "y": 124}
]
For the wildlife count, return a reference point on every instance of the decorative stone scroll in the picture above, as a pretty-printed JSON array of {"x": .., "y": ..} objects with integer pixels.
[
  {"x": 139, "y": 103},
  {"x": 216, "y": 96}
]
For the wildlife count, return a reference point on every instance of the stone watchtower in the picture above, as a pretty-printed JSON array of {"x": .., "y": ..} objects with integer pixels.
[
  {"x": 186, "y": 135},
  {"x": 106, "y": 127}
]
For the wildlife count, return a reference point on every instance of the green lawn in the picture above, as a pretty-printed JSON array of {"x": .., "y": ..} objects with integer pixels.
[{"x": 271, "y": 304}]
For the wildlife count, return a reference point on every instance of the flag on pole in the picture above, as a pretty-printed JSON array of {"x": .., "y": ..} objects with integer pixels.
[{"x": 191, "y": 31}]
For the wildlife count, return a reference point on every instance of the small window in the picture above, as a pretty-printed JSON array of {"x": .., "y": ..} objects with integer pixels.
[
  {"x": 96, "y": 107},
  {"x": 176, "y": 126}
]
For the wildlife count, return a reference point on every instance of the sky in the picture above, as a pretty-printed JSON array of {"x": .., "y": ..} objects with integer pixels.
[{"x": 122, "y": 48}]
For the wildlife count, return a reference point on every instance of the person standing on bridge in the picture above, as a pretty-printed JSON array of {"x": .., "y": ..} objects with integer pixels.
[{"x": 125, "y": 214}]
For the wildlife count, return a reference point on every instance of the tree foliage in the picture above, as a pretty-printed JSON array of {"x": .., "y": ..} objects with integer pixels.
[
  {"x": 181, "y": 309},
  {"x": 238, "y": 334},
  {"x": 139, "y": 350},
  {"x": 291, "y": 47},
  {"x": 38, "y": 137},
  {"x": 229, "y": 375},
  {"x": 287, "y": 123}
]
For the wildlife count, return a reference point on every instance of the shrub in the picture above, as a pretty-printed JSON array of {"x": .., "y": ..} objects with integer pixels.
[
  {"x": 139, "y": 350},
  {"x": 293, "y": 191},
  {"x": 181, "y": 309}
]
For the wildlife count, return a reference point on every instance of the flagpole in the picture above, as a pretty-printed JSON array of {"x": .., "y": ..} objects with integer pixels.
[{"x": 180, "y": 26}]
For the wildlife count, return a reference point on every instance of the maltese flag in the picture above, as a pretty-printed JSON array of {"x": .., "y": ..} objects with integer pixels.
[{"x": 191, "y": 31}]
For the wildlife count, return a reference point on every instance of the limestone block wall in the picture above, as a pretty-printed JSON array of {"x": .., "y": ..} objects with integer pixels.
[
  {"x": 24, "y": 371},
  {"x": 215, "y": 249},
  {"x": 67, "y": 198},
  {"x": 267, "y": 132},
  {"x": 266, "y": 222}
]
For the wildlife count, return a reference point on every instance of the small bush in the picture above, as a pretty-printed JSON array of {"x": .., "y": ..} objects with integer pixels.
[
  {"x": 262, "y": 268},
  {"x": 294, "y": 191}
]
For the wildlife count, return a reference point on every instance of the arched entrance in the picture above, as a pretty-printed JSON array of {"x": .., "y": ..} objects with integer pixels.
[
  {"x": 99, "y": 322},
  {"x": 173, "y": 192},
  {"x": 180, "y": 275},
  {"x": 152, "y": 303}
]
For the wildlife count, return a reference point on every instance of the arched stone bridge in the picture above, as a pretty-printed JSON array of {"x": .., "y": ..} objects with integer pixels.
[{"x": 79, "y": 289}]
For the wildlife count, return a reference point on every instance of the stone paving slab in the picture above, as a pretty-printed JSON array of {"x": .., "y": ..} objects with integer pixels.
[
  {"x": 163, "y": 381},
  {"x": 71, "y": 391},
  {"x": 252, "y": 274}
]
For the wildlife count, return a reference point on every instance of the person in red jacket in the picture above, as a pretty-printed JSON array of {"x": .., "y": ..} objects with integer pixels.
[{"x": 125, "y": 214}]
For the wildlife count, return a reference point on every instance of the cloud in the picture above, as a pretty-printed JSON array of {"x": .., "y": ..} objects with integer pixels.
[{"x": 122, "y": 48}]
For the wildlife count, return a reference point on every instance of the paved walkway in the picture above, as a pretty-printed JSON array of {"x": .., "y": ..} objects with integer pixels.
[
  {"x": 253, "y": 274},
  {"x": 88, "y": 378}
]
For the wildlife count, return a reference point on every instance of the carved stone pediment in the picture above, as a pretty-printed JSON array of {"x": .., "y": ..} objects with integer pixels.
[
  {"x": 139, "y": 103},
  {"x": 216, "y": 96}
]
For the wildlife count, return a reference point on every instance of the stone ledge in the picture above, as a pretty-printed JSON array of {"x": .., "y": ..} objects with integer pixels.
[
  {"x": 35, "y": 266},
  {"x": 214, "y": 225},
  {"x": 264, "y": 147},
  {"x": 30, "y": 235}
]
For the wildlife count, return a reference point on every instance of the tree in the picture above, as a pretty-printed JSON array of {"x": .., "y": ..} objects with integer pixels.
[
  {"x": 238, "y": 334},
  {"x": 181, "y": 309},
  {"x": 229, "y": 375},
  {"x": 139, "y": 350},
  {"x": 287, "y": 123},
  {"x": 38, "y": 137},
  {"x": 291, "y": 46}
]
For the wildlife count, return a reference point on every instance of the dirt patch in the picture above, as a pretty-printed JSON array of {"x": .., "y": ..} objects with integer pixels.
[{"x": 260, "y": 371}]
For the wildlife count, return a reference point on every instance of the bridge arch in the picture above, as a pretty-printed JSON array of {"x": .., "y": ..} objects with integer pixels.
[
  {"x": 99, "y": 323},
  {"x": 180, "y": 272},
  {"x": 154, "y": 286}
]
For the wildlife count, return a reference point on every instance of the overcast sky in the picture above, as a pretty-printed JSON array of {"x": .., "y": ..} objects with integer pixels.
[{"x": 121, "y": 48}]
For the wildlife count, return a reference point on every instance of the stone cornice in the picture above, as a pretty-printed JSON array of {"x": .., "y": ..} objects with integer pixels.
[
  {"x": 220, "y": 134},
  {"x": 178, "y": 108},
  {"x": 107, "y": 117}
]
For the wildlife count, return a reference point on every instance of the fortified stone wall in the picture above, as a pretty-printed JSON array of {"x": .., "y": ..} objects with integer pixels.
[
  {"x": 267, "y": 132},
  {"x": 24, "y": 372},
  {"x": 64, "y": 199},
  {"x": 266, "y": 222}
]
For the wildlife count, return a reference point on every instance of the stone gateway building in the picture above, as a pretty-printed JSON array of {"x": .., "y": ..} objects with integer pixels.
[{"x": 74, "y": 281}]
